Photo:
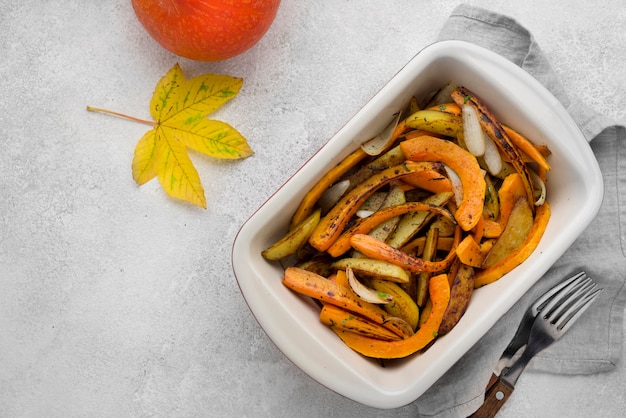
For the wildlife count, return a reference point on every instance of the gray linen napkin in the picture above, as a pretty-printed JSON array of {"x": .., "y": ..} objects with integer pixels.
[{"x": 595, "y": 343}]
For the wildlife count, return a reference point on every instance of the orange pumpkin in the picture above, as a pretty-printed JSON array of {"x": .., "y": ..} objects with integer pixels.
[{"x": 206, "y": 30}]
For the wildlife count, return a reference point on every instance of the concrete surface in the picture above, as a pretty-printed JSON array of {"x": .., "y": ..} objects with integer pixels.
[{"x": 117, "y": 301}]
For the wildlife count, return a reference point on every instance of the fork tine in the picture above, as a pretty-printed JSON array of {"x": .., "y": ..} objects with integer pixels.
[
  {"x": 540, "y": 303},
  {"x": 572, "y": 314},
  {"x": 585, "y": 287},
  {"x": 581, "y": 281}
]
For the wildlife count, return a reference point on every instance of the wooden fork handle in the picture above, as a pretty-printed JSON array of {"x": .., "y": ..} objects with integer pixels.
[
  {"x": 493, "y": 379},
  {"x": 497, "y": 394}
]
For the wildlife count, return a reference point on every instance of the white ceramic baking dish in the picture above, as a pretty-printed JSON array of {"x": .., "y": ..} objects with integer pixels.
[{"x": 575, "y": 192}]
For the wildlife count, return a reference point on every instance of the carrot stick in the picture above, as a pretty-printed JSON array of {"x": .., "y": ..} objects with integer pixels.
[
  {"x": 336, "y": 317},
  {"x": 307, "y": 205},
  {"x": 376, "y": 249},
  {"x": 526, "y": 146}
]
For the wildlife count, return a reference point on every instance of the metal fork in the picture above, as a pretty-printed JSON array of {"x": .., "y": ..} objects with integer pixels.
[
  {"x": 554, "y": 313},
  {"x": 553, "y": 320},
  {"x": 523, "y": 331}
]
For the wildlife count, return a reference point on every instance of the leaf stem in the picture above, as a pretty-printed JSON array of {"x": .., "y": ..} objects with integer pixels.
[{"x": 97, "y": 109}]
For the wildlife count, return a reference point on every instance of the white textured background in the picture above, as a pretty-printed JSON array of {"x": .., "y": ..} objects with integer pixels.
[{"x": 116, "y": 301}]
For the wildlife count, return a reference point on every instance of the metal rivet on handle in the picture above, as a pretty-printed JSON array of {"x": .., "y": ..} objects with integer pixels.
[{"x": 499, "y": 395}]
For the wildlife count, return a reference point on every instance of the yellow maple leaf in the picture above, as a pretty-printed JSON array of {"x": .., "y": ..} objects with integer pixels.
[{"x": 180, "y": 108}]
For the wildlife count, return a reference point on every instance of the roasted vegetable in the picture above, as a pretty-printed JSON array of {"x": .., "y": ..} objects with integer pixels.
[
  {"x": 464, "y": 165},
  {"x": 517, "y": 257},
  {"x": 331, "y": 225},
  {"x": 294, "y": 239},
  {"x": 373, "y": 268},
  {"x": 307, "y": 206},
  {"x": 411, "y": 223},
  {"x": 364, "y": 292},
  {"x": 318, "y": 287},
  {"x": 378, "y": 250},
  {"x": 515, "y": 232},
  {"x": 385, "y": 139},
  {"x": 460, "y": 295},
  {"x": 436, "y": 122},
  {"x": 371, "y": 347},
  {"x": 471, "y": 253},
  {"x": 495, "y": 130},
  {"x": 343, "y": 320},
  {"x": 365, "y": 225},
  {"x": 401, "y": 304},
  {"x": 394, "y": 243}
]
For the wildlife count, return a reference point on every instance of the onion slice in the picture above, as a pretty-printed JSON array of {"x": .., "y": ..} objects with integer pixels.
[
  {"x": 492, "y": 157},
  {"x": 364, "y": 292},
  {"x": 364, "y": 213},
  {"x": 540, "y": 185},
  {"x": 457, "y": 186},
  {"x": 332, "y": 195},
  {"x": 380, "y": 142},
  {"x": 473, "y": 134}
]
